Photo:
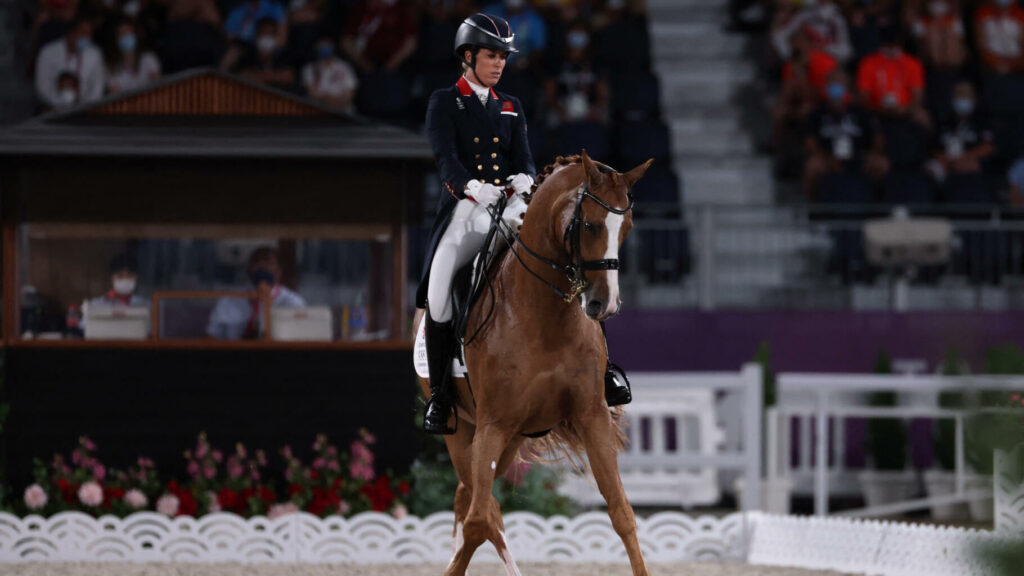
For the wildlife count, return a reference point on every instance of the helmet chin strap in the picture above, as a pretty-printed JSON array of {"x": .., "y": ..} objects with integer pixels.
[{"x": 472, "y": 68}]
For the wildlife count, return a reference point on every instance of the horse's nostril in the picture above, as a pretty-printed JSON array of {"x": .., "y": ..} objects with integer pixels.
[{"x": 594, "y": 307}]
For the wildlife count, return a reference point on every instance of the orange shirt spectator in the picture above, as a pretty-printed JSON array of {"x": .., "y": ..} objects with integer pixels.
[
  {"x": 890, "y": 80},
  {"x": 819, "y": 66},
  {"x": 999, "y": 28}
]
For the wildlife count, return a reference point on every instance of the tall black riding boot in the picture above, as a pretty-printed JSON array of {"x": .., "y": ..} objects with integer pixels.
[
  {"x": 616, "y": 391},
  {"x": 440, "y": 351}
]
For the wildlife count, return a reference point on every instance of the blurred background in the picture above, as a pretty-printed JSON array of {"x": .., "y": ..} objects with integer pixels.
[{"x": 837, "y": 187}]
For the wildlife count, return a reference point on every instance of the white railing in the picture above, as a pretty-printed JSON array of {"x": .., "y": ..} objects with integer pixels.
[
  {"x": 822, "y": 403},
  {"x": 685, "y": 428}
]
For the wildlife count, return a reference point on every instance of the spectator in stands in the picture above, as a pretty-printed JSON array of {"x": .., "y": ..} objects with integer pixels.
[
  {"x": 866, "y": 19},
  {"x": 67, "y": 91},
  {"x": 531, "y": 30},
  {"x": 804, "y": 78},
  {"x": 53, "y": 21},
  {"x": 238, "y": 318},
  {"x": 307, "y": 21},
  {"x": 578, "y": 92},
  {"x": 267, "y": 61},
  {"x": 330, "y": 79},
  {"x": 842, "y": 139},
  {"x": 243, "y": 22},
  {"x": 962, "y": 145},
  {"x": 825, "y": 24},
  {"x": 939, "y": 33},
  {"x": 1016, "y": 180},
  {"x": 191, "y": 36},
  {"x": 73, "y": 53},
  {"x": 124, "y": 281},
  {"x": 130, "y": 68},
  {"x": 891, "y": 82},
  {"x": 999, "y": 32},
  {"x": 380, "y": 34}
]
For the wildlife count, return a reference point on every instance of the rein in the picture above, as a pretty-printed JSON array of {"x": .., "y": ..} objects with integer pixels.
[{"x": 577, "y": 268}]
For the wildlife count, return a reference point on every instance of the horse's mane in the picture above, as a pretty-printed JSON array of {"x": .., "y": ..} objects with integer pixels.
[{"x": 560, "y": 162}]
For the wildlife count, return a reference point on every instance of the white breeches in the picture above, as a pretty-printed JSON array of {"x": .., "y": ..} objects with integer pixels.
[{"x": 461, "y": 241}]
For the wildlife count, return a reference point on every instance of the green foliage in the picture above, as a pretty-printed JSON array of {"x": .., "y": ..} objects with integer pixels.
[
  {"x": 768, "y": 389},
  {"x": 945, "y": 433},
  {"x": 887, "y": 437},
  {"x": 1005, "y": 558},
  {"x": 988, "y": 431}
]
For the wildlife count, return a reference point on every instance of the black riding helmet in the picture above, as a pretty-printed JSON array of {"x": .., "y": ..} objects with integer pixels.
[{"x": 484, "y": 31}]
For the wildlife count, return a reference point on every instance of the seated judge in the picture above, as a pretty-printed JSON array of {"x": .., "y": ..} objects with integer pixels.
[
  {"x": 240, "y": 318},
  {"x": 124, "y": 280}
]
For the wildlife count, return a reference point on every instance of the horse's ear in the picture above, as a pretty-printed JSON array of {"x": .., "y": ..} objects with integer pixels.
[
  {"x": 637, "y": 173},
  {"x": 594, "y": 175}
]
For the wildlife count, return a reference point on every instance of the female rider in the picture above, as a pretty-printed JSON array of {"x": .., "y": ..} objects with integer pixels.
[{"x": 478, "y": 137}]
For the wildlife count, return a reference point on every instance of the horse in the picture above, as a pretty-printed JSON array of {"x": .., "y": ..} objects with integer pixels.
[{"x": 536, "y": 365}]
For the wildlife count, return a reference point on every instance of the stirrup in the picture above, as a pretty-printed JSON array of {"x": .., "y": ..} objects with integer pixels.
[
  {"x": 442, "y": 429},
  {"x": 616, "y": 393}
]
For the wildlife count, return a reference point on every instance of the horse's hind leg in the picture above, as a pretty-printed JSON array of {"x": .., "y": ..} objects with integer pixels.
[
  {"x": 479, "y": 526},
  {"x": 497, "y": 537},
  {"x": 460, "y": 448},
  {"x": 601, "y": 442}
]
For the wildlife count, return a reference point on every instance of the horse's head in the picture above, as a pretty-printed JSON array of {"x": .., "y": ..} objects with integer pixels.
[{"x": 596, "y": 221}]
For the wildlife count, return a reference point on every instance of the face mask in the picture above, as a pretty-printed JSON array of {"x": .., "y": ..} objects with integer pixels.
[
  {"x": 266, "y": 44},
  {"x": 938, "y": 8},
  {"x": 132, "y": 9},
  {"x": 127, "y": 43},
  {"x": 963, "y": 106},
  {"x": 835, "y": 91},
  {"x": 261, "y": 275},
  {"x": 124, "y": 286},
  {"x": 67, "y": 96},
  {"x": 83, "y": 44},
  {"x": 325, "y": 51},
  {"x": 577, "y": 40}
]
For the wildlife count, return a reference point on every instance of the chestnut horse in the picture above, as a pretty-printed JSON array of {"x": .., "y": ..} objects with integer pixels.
[{"x": 538, "y": 363}]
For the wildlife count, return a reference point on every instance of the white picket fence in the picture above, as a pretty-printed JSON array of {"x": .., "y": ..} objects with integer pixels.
[{"x": 684, "y": 429}]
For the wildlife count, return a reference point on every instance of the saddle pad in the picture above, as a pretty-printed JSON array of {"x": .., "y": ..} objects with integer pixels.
[{"x": 419, "y": 356}]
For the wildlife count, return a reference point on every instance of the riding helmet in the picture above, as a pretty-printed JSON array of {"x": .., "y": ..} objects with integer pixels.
[{"x": 484, "y": 31}]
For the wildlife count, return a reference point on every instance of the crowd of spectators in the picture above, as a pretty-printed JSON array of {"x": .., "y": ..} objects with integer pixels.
[
  {"x": 380, "y": 58},
  {"x": 903, "y": 102}
]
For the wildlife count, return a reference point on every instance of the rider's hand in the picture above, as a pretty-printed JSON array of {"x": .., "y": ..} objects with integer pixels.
[
  {"x": 484, "y": 194},
  {"x": 521, "y": 183}
]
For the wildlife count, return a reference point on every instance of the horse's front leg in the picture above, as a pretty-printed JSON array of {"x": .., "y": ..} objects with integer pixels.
[
  {"x": 479, "y": 526},
  {"x": 600, "y": 439},
  {"x": 498, "y": 536}
]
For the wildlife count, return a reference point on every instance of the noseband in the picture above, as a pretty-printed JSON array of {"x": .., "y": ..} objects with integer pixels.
[{"x": 577, "y": 268}]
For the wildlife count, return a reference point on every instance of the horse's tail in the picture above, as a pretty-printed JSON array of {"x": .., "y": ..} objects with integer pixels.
[{"x": 565, "y": 443}]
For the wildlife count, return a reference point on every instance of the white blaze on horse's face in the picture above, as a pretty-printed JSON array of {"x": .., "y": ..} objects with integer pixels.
[{"x": 613, "y": 224}]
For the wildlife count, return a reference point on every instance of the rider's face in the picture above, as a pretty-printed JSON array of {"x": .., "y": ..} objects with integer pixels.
[{"x": 489, "y": 66}]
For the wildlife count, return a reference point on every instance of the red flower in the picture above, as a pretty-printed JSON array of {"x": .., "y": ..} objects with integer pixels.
[
  {"x": 229, "y": 500},
  {"x": 110, "y": 494},
  {"x": 267, "y": 496},
  {"x": 379, "y": 494},
  {"x": 187, "y": 504},
  {"x": 294, "y": 489},
  {"x": 67, "y": 491},
  {"x": 403, "y": 487}
]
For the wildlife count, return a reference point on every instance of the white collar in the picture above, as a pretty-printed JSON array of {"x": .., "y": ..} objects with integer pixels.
[{"x": 482, "y": 92}]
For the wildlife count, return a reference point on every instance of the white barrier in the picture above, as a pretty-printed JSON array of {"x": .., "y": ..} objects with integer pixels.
[
  {"x": 368, "y": 538},
  {"x": 825, "y": 401},
  {"x": 679, "y": 415}
]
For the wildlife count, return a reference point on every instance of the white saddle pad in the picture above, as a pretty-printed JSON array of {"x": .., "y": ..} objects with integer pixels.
[{"x": 419, "y": 356}]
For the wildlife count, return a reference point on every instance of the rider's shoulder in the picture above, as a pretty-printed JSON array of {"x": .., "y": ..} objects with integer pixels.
[{"x": 446, "y": 95}]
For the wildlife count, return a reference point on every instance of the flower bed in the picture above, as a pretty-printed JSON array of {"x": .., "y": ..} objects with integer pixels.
[{"x": 333, "y": 483}]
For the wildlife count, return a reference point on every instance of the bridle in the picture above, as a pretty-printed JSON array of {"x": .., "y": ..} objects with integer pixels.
[{"x": 576, "y": 270}]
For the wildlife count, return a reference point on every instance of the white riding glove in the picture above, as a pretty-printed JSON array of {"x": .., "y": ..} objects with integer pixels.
[
  {"x": 483, "y": 194},
  {"x": 521, "y": 183},
  {"x": 514, "y": 212}
]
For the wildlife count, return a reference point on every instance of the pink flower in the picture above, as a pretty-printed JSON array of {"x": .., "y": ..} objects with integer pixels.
[
  {"x": 399, "y": 511},
  {"x": 362, "y": 471},
  {"x": 320, "y": 441},
  {"x": 1015, "y": 398},
  {"x": 361, "y": 452},
  {"x": 367, "y": 437},
  {"x": 90, "y": 494},
  {"x": 88, "y": 444},
  {"x": 214, "y": 502},
  {"x": 76, "y": 457},
  {"x": 136, "y": 499},
  {"x": 332, "y": 451},
  {"x": 286, "y": 452},
  {"x": 319, "y": 463},
  {"x": 235, "y": 469},
  {"x": 35, "y": 497},
  {"x": 333, "y": 465},
  {"x": 210, "y": 472},
  {"x": 344, "y": 508},
  {"x": 218, "y": 456},
  {"x": 255, "y": 475},
  {"x": 193, "y": 468},
  {"x": 517, "y": 472},
  {"x": 145, "y": 463},
  {"x": 261, "y": 457},
  {"x": 240, "y": 450},
  {"x": 278, "y": 510},
  {"x": 201, "y": 451},
  {"x": 99, "y": 472},
  {"x": 168, "y": 505}
]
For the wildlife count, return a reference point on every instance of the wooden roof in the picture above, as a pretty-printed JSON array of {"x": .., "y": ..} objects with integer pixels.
[{"x": 208, "y": 113}]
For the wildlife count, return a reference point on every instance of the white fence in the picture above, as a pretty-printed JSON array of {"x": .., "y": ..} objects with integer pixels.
[
  {"x": 684, "y": 428},
  {"x": 821, "y": 405}
]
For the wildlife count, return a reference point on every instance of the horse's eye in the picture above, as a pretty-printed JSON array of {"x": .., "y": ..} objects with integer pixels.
[{"x": 590, "y": 227}]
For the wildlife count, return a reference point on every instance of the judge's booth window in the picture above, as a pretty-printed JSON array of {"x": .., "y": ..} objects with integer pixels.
[{"x": 227, "y": 289}]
